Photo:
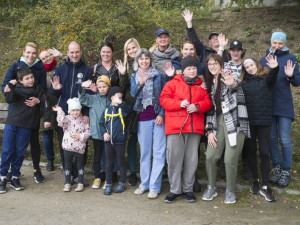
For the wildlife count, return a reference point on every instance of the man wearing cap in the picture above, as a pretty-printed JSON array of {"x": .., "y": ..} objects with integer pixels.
[
  {"x": 164, "y": 51},
  {"x": 66, "y": 84},
  {"x": 216, "y": 42}
]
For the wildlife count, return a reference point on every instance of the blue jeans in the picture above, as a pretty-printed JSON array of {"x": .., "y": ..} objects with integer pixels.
[
  {"x": 48, "y": 144},
  {"x": 152, "y": 141},
  {"x": 281, "y": 126},
  {"x": 15, "y": 142}
]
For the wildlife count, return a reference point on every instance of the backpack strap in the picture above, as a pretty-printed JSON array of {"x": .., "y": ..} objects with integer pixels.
[{"x": 107, "y": 118}]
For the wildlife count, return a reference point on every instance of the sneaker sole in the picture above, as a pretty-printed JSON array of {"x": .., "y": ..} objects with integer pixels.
[
  {"x": 269, "y": 200},
  {"x": 17, "y": 189},
  {"x": 167, "y": 201},
  {"x": 94, "y": 187},
  {"x": 38, "y": 182},
  {"x": 2, "y": 192},
  {"x": 230, "y": 202},
  {"x": 190, "y": 201},
  {"x": 212, "y": 197}
]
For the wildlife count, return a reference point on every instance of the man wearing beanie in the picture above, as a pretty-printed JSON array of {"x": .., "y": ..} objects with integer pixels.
[
  {"x": 185, "y": 103},
  {"x": 113, "y": 130},
  {"x": 282, "y": 108}
]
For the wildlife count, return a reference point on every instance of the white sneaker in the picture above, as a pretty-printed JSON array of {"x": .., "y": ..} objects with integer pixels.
[
  {"x": 152, "y": 194},
  {"x": 139, "y": 191},
  {"x": 104, "y": 186},
  {"x": 79, "y": 188},
  {"x": 96, "y": 183},
  {"x": 67, "y": 188}
]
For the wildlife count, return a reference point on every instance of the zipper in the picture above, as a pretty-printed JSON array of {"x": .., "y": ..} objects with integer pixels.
[
  {"x": 190, "y": 87},
  {"x": 72, "y": 81},
  {"x": 111, "y": 122}
]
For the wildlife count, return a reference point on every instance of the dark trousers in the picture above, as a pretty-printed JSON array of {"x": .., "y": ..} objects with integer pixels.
[
  {"x": 263, "y": 134},
  {"x": 110, "y": 151},
  {"x": 35, "y": 148},
  {"x": 98, "y": 149},
  {"x": 79, "y": 159},
  {"x": 60, "y": 135}
]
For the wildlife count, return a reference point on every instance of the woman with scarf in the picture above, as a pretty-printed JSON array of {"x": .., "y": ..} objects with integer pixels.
[
  {"x": 48, "y": 57},
  {"x": 282, "y": 108},
  {"x": 226, "y": 125},
  {"x": 146, "y": 85}
]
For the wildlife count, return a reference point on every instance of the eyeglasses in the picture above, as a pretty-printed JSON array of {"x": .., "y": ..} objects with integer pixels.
[{"x": 212, "y": 64}]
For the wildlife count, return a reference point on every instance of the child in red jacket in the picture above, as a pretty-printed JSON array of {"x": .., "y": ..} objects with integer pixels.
[{"x": 185, "y": 103}]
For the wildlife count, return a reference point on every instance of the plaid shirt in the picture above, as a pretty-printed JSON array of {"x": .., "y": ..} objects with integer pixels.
[{"x": 234, "y": 111}]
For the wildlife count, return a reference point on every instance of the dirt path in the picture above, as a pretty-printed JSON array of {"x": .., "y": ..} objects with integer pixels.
[{"x": 47, "y": 204}]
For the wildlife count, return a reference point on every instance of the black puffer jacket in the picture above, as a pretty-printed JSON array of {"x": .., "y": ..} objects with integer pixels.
[{"x": 258, "y": 96}]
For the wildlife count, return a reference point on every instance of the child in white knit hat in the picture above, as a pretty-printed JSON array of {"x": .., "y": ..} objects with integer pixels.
[{"x": 76, "y": 134}]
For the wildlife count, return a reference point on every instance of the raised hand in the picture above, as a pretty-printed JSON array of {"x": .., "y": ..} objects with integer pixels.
[
  {"x": 188, "y": 17},
  {"x": 143, "y": 77},
  {"x": 222, "y": 40},
  {"x": 121, "y": 67},
  {"x": 56, "y": 108},
  {"x": 289, "y": 68},
  {"x": 86, "y": 84},
  {"x": 227, "y": 78},
  {"x": 169, "y": 69},
  {"x": 272, "y": 61},
  {"x": 56, "y": 83},
  {"x": 55, "y": 53}
]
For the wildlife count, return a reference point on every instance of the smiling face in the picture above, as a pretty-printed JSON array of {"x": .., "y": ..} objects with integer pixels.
[
  {"x": 235, "y": 54},
  {"x": 214, "y": 67},
  {"x": 251, "y": 68},
  {"x": 190, "y": 72},
  {"x": 102, "y": 88},
  {"x": 27, "y": 80},
  {"x": 163, "y": 41},
  {"x": 46, "y": 57},
  {"x": 30, "y": 54},
  {"x": 106, "y": 54},
  {"x": 74, "y": 52},
  {"x": 277, "y": 44},
  {"x": 214, "y": 41},
  {"x": 144, "y": 62},
  {"x": 188, "y": 49},
  {"x": 75, "y": 113},
  {"x": 131, "y": 49}
]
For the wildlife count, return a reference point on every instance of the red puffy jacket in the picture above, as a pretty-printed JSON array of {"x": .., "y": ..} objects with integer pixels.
[{"x": 177, "y": 118}]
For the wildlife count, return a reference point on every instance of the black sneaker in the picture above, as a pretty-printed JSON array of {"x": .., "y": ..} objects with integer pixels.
[
  {"x": 15, "y": 184},
  {"x": 132, "y": 181},
  {"x": 196, "y": 186},
  {"x": 172, "y": 197},
  {"x": 38, "y": 177},
  {"x": 254, "y": 189},
  {"x": 8, "y": 177},
  {"x": 50, "y": 166},
  {"x": 267, "y": 193},
  {"x": 3, "y": 186},
  {"x": 190, "y": 197}
]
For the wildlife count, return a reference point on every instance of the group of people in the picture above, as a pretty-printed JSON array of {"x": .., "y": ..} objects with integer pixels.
[{"x": 164, "y": 99}]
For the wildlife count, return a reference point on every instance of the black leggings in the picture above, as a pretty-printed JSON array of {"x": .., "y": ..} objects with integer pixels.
[
  {"x": 98, "y": 149},
  {"x": 79, "y": 159},
  {"x": 119, "y": 150},
  {"x": 263, "y": 134}
]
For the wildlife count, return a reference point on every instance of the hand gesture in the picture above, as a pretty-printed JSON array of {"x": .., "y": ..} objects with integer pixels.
[
  {"x": 212, "y": 140},
  {"x": 222, "y": 40},
  {"x": 188, "y": 17},
  {"x": 289, "y": 68},
  {"x": 56, "y": 83},
  {"x": 159, "y": 121},
  {"x": 272, "y": 61},
  {"x": 6, "y": 89},
  {"x": 76, "y": 136},
  {"x": 32, "y": 101},
  {"x": 185, "y": 103},
  {"x": 115, "y": 100},
  {"x": 86, "y": 84},
  {"x": 169, "y": 69},
  {"x": 47, "y": 125},
  {"x": 121, "y": 67},
  {"x": 227, "y": 78},
  {"x": 106, "y": 137},
  {"x": 86, "y": 119},
  {"x": 13, "y": 82},
  {"x": 56, "y": 108},
  {"x": 143, "y": 77},
  {"x": 192, "y": 108},
  {"x": 55, "y": 53}
]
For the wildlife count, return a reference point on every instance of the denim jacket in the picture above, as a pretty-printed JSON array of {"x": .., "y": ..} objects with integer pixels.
[{"x": 158, "y": 84}]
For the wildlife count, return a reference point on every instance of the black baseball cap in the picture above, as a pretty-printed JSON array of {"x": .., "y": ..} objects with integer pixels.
[
  {"x": 236, "y": 44},
  {"x": 212, "y": 34}
]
